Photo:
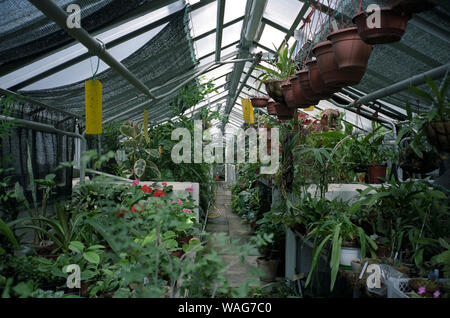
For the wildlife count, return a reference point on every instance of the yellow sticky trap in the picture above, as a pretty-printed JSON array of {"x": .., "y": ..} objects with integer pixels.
[
  {"x": 247, "y": 109},
  {"x": 145, "y": 126},
  {"x": 93, "y": 95},
  {"x": 309, "y": 109}
]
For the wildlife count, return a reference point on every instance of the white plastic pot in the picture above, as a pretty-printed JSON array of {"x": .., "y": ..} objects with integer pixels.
[{"x": 348, "y": 254}]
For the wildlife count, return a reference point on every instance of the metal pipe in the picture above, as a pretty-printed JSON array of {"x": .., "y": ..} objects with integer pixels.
[
  {"x": 219, "y": 29},
  {"x": 59, "y": 16},
  {"x": 413, "y": 81}
]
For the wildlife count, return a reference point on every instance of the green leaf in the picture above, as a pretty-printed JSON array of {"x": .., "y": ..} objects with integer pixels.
[
  {"x": 139, "y": 167},
  {"x": 76, "y": 246},
  {"x": 91, "y": 257},
  {"x": 95, "y": 247},
  {"x": 4, "y": 228}
]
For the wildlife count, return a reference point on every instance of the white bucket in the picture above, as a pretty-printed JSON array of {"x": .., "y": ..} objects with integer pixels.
[{"x": 348, "y": 254}]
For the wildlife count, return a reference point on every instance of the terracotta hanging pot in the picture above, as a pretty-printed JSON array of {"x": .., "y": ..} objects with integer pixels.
[
  {"x": 300, "y": 98},
  {"x": 392, "y": 26},
  {"x": 329, "y": 70},
  {"x": 273, "y": 88},
  {"x": 438, "y": 135},
  {"x": 284, "y": 112},
  {"x": 318, "y": 86},
  {"x": 259, "y": 102},
  {"x": 376, "y": 174},
  {"x": 413, "y": 6},
  {"x": 271, "y": 110},
  {"x": 288, "y": 94},
  {"x": 351, "y": 52},
  {"x": 311, "y": 97}
]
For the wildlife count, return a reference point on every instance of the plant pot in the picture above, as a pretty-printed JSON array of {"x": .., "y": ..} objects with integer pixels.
[
  {"x": 329, "y": 69},
  {"x": 310, "y": 96},
  {"x": 438, "y": 135},
  {"x": 413, "y": 6},
  {"x": 392, "y": 26},
  {"x": 351, "y": 52},
  {"x": 411, "y": 163},
  {"x": 271, "y": 110},
  {"x": 300, "y": 98},
  {"x": 284, "y": 112},
  {"x": 259, "y": 102},
  {"x": 375, "y": 173},
  {"x": 273, "y": 88},
  {"x": 269, "y": 268},
  {"x": 348, "y": 254},
  {"x": 288, "y": 94},
  {"x": 316, "y": 82}
]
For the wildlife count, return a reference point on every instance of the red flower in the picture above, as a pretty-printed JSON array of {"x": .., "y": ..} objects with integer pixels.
[
  {"x": 140, "y": 208},
  {"x": 164, "y": 184},
  {"x": 120, "y": 213},
  {"x": 146, "y": 189},
  {"x": 159, "y": 193}
]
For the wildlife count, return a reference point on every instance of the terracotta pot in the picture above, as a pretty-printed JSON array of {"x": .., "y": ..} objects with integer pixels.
[
  {"x": 259, "y": 102},
  {"x": 288, "y": 94},
  {"x": 375, "y": 173},
  {"x": 269, "y": 268},
  {"x": 392, "y": 26},
  {"x": 351, "y": 52},
  {"x": 284, "y": 112},
  {"x": 413, "y": 6},
  {"x": 438, "y": 135},
  {"x": 318, "y": 86},
  {"x": 273, "y": 88},
  {"x": 329, "y": 70},
  {"x": 271, "y": 110},
  {"x": 311, "y": 97},
  {"x": 300, "y": 99}
]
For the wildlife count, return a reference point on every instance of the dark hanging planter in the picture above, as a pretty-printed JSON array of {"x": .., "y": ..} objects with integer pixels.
[
  {"x": 311, "y": 97},
  {"x": 259, "y": 102},
  {"x": 376, "y": 173},
  {"x": 318, "y": 86},
  {"x": 300, "y": 98},
  {"x": 271, "y": 110},
  {"x": 392, "y": 26},
  {"x": 329, "y": 70},
  {"x": 351, "y": 52},
  {"x": 288, "y": 94},
  {"x": 438, "y": 135},
  {"x": 413, "y": 6},
  {"x": 284, "y": 112},
  {"x": 273, "y": 88}
]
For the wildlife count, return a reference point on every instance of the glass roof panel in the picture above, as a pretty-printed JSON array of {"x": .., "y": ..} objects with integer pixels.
[
  {"x": 205, "y": 45},
  {"x": 232, "y": 33},
  {"x": 283, "y": 12},
  {"x": 203, "y": 19},
  {"x": 271, "y": 37},
  {"x": 233, "y": 10}
]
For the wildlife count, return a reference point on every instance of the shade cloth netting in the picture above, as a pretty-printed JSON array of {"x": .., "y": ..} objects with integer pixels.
[
  {"x": 27, "y": 32},
  {"x": 165, "y": 56}
]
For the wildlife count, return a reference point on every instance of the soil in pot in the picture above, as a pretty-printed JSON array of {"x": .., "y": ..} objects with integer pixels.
[
  {"x": 351, "y": 52},
  {"x": 316, "y": 82},
  {"x": 300, "y": 98},
  {"x": 329, "y": 69},
  {"x": 288, "y": 94},
  {"x": 271, "y": 110},
  {"x": 438, "y": 135},
  {"x": 392, "y": 26},
  {"x": 273, "y": 88},
  {"x": 259, "y": 102},
  {"x": 269, "y": 268},
  {"x": 376, "y": 173},
  {"x": 311, "y": 97}
]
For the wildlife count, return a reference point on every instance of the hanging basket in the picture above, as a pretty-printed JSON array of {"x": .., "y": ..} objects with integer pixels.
[
  {"x": 318, "y": 86},
  {"x": 259, "y": 102},
  {"x": 438, "y": 135},
  {"x": 271, "y": 110},
  {"x": 351, "y": 52},
  {"x": 329, "y": 70},
  {"x": 284, "y": 112},
  {"x": 288, "y": 94},
  {"x": 273, "y": 88},
  {"x": 300, "y": 99},
  {"x": 311, "y": 97},
  {"x": 413, "y": 6},
  {"x": 392, "y": 26}
]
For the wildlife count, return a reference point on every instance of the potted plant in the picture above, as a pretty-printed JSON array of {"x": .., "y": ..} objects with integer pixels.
[
  {"x": 259, "y": 101},
  {"x": 271, "y": 110},
  {"x": 284, "y": 112},
  {"x": 279, "y": 70},
  {"x": 317, "y": 84}
]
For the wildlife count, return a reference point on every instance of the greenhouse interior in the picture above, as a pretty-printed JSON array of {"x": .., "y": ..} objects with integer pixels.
[{"x": 203, "y": 149}]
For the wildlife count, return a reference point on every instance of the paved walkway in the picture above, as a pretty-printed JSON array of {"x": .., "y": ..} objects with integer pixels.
[{"x": 222, "y": 219}]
